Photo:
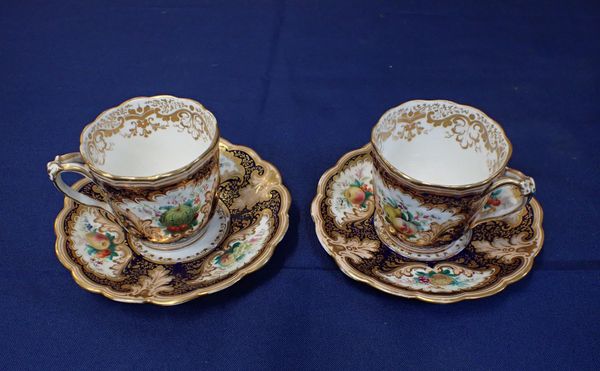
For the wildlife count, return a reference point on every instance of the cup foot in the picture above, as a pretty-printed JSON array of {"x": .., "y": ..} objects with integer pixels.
[
  {"x": 191, "y": 248},
  {"x": 423, "y": 253},
  {"x": 182, "y": 243}
]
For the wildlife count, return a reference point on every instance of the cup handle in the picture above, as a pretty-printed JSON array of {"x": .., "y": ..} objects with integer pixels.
[
  {"x": 526, "y": 186},
  {"x": 72, "y": 162}
]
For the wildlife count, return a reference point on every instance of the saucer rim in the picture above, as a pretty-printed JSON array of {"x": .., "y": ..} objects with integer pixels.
[
  {"x": 267, "y": 252},
  {"x": 445, "y": 298}
]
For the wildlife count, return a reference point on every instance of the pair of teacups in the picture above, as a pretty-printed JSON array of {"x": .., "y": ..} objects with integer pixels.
[{"x": 435, "y": 165}]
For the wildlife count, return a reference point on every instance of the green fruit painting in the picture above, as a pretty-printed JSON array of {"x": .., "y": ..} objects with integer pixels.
[
  {"x": 391, "y": 212},
  {"x": 180, "y": 218}
]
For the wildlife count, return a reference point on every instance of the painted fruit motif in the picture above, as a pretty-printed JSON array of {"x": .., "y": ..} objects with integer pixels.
[
  {"x": 226, "y": 259},
  {"x": 493, "y": 200},
  {"x": 443, "y": 278},
  {"x": 440, "y": 279},
  {"x": 355, "y": 195},
  {"x": 97, "y": 240},
  {"x": 100, "y": 245},
  {"x": 358, "y": 193},
  {"x": 180, "y": 218},
  {"x": 401, "y": 220},
  {"x": 234, "y": 253}
]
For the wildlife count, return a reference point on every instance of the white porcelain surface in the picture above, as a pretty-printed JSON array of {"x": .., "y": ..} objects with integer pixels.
[
  {"x": 441, "y": 142},
  {"x": 148, "y": 136}
]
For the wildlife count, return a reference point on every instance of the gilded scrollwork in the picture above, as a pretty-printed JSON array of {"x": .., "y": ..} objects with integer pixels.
[
  {"x": 142, "y": 117},
  {"x": 425, "y": 196},
  {"x": 254, "y": 231},
  {"x": 441, "y": 278},
  {"x": 418, "y": 218},
  {"x": 507, "y": 249},
  {"x": 470, "y": 128},
  {"x": 145, "y": 211},
  {"x": 155, "y": 283},
  {"x": 98, "y": 243},
  {"x": 206, "y": 170},
  {"x": 351, "y": 197},
  {"x": 499, "y": 252},
  {"x": 258, "y": 190},
  {"x": 355, "y": 249},
  {"x": 406, "y": 125}
]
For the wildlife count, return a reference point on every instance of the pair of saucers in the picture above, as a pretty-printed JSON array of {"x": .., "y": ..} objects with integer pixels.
[
  {"x": 169, "y": 238},
  {"x": 501, "y": 252}
]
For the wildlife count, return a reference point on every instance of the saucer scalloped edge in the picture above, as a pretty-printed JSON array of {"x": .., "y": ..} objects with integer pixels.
[
  {"x": 501, "y": 252},
  {"x": 252, "y": 199}
]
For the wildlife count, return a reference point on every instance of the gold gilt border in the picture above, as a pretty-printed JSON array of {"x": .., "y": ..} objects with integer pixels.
[
  {"x": 77, "y": 270},
  {"x": 154, "y": 179},
  {"x": 355, "y": 274},
  {"x": 464, "y": 187}
]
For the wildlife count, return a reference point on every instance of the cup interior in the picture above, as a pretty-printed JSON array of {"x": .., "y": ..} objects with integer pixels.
[
  {"x": 148, "y": 136},
  {"x": 441, "y": 143}
]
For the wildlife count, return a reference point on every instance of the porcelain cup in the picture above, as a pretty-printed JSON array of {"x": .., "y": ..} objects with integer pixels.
[
  {"x": 156, "y": 161},
  {"x": 437, "y": 168}
]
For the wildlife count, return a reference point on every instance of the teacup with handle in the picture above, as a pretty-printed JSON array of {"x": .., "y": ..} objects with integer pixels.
[
  {"x": 156, "y": 161},
  {"x": 436, "y": 163}
]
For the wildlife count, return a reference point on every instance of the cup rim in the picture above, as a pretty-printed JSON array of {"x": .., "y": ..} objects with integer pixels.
[
  {"x": 151, "y": 178},
  {"x": 399, "y": 174}
]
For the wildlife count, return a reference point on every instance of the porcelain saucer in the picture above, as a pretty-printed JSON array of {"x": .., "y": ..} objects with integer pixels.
[
  {"x": 500, "y": 252},
  {"x": 249, "y": 221}
]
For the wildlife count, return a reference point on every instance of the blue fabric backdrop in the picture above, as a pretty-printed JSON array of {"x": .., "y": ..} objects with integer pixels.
[{"x": 302, "y": 82}]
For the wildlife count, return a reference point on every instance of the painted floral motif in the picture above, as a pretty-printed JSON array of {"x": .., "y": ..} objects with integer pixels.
[
  {"x": 442, "y": 278},
  {"x": 243, "y": 246},
  {"x": 239, "y": 250},
  {"x": 214, "y": 232},
  {"x": 235, "y": 252}
]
